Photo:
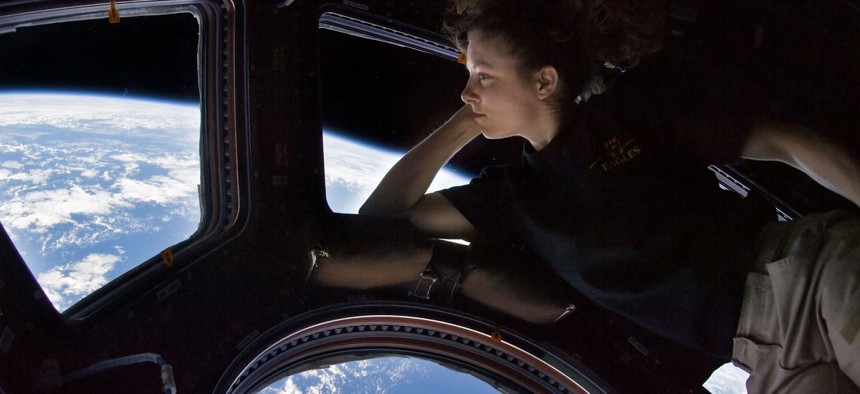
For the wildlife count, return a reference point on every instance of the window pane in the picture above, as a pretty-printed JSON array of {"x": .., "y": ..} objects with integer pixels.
[
  {"x": 389, "y": 374},
  {"x": 375, "y": 110},
  {"x": 93, "y": 182}
]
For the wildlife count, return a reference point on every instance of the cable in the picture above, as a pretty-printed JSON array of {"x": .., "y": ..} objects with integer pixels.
[{"x": 166, "y": 369}]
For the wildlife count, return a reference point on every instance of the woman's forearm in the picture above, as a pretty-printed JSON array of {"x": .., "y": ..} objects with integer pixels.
[
  {"x": 827, "y": 163},
  {"x": 407, "y": 182}
]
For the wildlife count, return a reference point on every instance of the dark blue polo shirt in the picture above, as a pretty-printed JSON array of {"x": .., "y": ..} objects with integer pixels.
[{"x": 623, "y": 207}]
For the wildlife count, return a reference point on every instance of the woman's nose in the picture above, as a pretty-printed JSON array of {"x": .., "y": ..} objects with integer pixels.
[{"x": 468, "y": 95}]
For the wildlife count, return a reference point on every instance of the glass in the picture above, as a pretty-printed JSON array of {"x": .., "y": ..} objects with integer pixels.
[{"x": 99, "y": 147}]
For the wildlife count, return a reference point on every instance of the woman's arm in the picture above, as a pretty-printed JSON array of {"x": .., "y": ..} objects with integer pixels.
[
  {"x": 827, "y": 163},
  {"x": 401, "y": 193}
]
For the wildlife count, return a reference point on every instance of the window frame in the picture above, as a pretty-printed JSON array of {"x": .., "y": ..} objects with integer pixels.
[{"x": 223, "y": 138}]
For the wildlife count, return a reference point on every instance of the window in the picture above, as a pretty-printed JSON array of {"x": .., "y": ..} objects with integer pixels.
[
  {"x": 109, "y": 154},
  {"x": 383, "y": 91},
  {"x": 380, "y": 374},
  {"x": 380, "y": 347}
]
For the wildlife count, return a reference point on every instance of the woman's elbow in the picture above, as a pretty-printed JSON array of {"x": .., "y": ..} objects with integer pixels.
[
  {"x": 371, "y": 210},
  {"x": 767, "y": 141}
]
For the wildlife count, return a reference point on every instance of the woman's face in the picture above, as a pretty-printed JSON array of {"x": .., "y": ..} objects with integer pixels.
[{"x": 505, "y": 102}]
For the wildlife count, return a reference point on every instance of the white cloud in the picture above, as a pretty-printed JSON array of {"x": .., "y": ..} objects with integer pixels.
[
  {"x": 358, "y": 168},
  {"x": 158, "y": 190},
  {"x": 54, "y": 199},
  {"x": 95, "y": 114},
  {"x": 377, "y": 375},
  {"x": 289, "y": 387},
  {"x": 12, "y": 164},
  {"x": 40, "y": 210},
  {"x": 117, "y": 167},
  {"x": 36, "y": 177},
  {"x": 129, "y": 157},
  {"x": 131, "y": 168},
  {"x": 89, "y": 159},
  {"x": 66, "y": 284},
  {"x": 185, "y": 170}
]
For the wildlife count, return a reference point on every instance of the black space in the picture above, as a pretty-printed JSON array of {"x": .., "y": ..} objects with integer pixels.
[
  {"x": 383, "y": 92},
  {"x": 394, "y": 97},
  {"x": 153, "y": 56}
]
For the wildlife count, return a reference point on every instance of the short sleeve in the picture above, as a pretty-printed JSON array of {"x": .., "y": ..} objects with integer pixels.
[{"x": 486, "y": 202}]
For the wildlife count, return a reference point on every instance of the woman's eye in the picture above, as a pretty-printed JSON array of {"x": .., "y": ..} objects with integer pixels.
[{"x": 483, "y": 77}]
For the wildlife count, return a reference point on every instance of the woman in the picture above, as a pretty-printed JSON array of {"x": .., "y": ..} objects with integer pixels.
[{"x": 613, "y": 191}]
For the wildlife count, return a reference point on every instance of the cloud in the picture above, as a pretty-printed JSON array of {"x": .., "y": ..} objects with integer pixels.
[
  {"x": 353, "y": 170},
  {"x": 160, "y": 190},
  {"x": 357, "y": 167},
  {"x": 37, "y": 200},
  {"x": 78, "y": 171},
  {"x": 67, "y": 284},
  {"x": 374, "y": 375},
  {"x": 35, "y": 176},
  {"x": 289, "y": 387},
  {"x": 186, "y": 170},
  {"x": 89, "y": 159},
  {"x": 12, "y": 164},
  {"x": 95, "y": 114},
  {"x": 38, "y": 211},
  {"x": 128, "y": 157}
]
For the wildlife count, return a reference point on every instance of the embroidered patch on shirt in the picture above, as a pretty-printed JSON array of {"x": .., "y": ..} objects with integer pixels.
[{"x": 617, "y": 154}]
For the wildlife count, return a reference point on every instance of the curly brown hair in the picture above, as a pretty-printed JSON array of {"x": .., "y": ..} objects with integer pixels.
[
  {"x": 536, "y": 33},
  {"x": 572, "y": 35},
  {"x": 623, "y": 31}
]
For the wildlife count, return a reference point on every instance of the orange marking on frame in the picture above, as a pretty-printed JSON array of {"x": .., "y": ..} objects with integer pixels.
[
  {"x": 113, "y": 13},
  {"x": 167, "y": 257}
]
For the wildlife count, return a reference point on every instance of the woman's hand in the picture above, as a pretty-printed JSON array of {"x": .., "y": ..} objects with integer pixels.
[{"x": 464, "y": 120}]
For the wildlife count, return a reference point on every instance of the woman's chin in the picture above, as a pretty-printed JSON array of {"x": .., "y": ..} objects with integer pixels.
[
  {"x": 489, "y": 136},
  {"x": 494, "y": 134}
]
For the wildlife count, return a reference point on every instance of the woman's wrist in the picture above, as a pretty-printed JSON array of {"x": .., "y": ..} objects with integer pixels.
[{"x": 462, "y": 125}]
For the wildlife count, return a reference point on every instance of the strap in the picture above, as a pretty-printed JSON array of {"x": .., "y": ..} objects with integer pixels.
[{"x": 446, "y": 270}]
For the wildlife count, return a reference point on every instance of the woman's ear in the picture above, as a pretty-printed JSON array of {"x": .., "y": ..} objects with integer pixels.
[{"x": 547, "y": 81}]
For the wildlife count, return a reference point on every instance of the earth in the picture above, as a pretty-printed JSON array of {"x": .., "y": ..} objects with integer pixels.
[
  {"x": 388, "y": 374},
  {"x": 92, "y": 185}
]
